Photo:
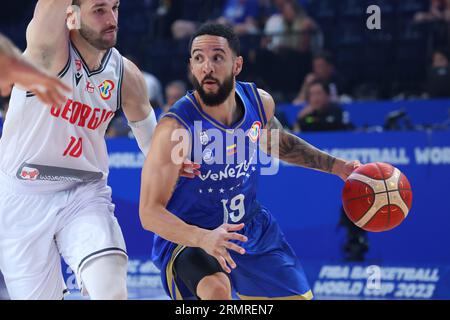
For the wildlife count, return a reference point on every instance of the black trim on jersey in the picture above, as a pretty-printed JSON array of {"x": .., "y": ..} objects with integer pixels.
[
  {"x": 260, "y": 104},
  {"x": 61, "y": 74},
  {"x": 98, "y": 252},
  {"x": 119, "y": 92},
  {"x": 103, "y": 64}
]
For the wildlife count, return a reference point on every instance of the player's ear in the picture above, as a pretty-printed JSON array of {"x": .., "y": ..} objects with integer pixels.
[
  {"x": 190, "y": 65},
  {"x": 238, "y": 64}
]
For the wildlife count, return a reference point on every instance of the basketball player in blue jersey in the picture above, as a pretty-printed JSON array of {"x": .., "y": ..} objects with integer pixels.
[{"x": 212, "y": 235}]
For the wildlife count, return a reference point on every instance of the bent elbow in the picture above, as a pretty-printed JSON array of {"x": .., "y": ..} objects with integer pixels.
[{"x": 147, "y": 215}]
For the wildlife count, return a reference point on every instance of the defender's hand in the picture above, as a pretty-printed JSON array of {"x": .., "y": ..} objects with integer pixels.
[
  {"x": 189, "y": 169},
  {"x": 49, "y": 89},
  {"x": 217, "y": 243}
]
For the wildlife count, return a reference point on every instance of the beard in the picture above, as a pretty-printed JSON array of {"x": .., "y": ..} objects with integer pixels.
[
  {"x": 95, "y": 39},
  {"x": 214, "y": 99}
]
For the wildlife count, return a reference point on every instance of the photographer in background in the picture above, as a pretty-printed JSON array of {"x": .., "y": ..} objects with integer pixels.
[
  {"x": 320, "y": 113},
  {"x": 438, "y": 78}
]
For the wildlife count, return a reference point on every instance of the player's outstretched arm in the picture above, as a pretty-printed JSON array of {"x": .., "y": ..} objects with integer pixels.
[
  {"x": 48, "y": 35},
  {"x": 294, "y": 150},
  {"x": 159, "y": 177},
  {"x": 16, "y": 69}
]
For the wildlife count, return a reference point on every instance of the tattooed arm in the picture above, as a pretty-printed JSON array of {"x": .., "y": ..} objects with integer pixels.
[{"x": 294, "y": 150}]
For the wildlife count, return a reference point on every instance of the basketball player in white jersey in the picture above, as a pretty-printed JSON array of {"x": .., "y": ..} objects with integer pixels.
[
  {"x": 15, "y": 69},
  {"x": 54, "y": 200}
]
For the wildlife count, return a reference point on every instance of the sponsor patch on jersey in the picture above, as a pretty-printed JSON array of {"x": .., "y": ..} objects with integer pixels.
[
  {"x": 106, "y": 89},
  {"x": 28, "y": 173},
  {"x": 90, "y": 87},
  {"x": 255, "y": 131}
]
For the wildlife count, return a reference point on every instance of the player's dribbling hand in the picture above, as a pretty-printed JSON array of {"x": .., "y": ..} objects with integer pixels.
[
  {"x": 344, "y": 168},
  {"x": 217, "y": 243}
]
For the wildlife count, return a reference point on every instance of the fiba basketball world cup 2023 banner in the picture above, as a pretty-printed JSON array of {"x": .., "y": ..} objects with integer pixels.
[{"x": 413, "y": 258}]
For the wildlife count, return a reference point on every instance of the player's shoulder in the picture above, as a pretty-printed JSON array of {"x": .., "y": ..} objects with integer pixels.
[
  {"x": 170, "y": 123},
  {"x": 184, "y": 107},
  {"x": 134, "y": 87},
  {"x": 250, "y": 86},
  {"x": 182, "y": 112},
  {"x": 131, "y": 71},
  {"x": 268, "y": 103}
]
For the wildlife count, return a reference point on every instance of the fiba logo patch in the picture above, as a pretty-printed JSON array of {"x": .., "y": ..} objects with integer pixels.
[
  {"x": 208, "y": 155},
  {"x": 204, "y": 139},
  {"x": 106, "y": 89},
  {"x": 255, "y": 131}
]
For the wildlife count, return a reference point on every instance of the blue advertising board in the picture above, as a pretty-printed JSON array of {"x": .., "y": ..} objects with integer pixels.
[{"x": 307, "y": 205}]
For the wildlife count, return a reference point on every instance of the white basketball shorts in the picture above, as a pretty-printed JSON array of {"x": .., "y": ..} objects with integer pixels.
[{"x": 36, "y": 229}]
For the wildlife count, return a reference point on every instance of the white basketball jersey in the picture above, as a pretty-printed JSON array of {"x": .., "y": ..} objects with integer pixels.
[{"x": 53, "y": 147}]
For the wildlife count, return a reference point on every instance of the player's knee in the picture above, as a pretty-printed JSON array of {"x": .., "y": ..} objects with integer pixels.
[
  {"x": 215, "y": 287},
  {"x": 118, "y": 291},
  {"x": 105, "y": 278}
]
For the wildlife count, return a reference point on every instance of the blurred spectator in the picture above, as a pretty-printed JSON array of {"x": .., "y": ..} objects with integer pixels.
[
  {"x": 182, "y": 29},
  {"x": 118, "y": 127},
  {"x": 154, "y": 86},
  {"x": 284, "y": 56},
  {"x": 438, "y": 20},
  {"x": 439, "y": 11},
  {"x": 438, "y": 80},
  {"x": 323, "y": 70},
  {"x": 320, "y": 114},
  {"x": 174, "y": 92},
  {"x": 189, "y": 14},
  {"x": 242, "y": 15},
  {"x": 290, "y": 28},
  {"x": 154, "y": 89}
]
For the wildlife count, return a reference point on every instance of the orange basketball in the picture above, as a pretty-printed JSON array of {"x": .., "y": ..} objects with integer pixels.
[{"x": 377, "y": 197}]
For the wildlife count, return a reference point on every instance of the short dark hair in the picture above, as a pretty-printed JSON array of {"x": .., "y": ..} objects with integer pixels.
[
  {"x": 220, "y": 30},
  {"x": 76, "y": 2},
  {"x": 325, "y": 86},
  {"x": 325, "y": 55}
]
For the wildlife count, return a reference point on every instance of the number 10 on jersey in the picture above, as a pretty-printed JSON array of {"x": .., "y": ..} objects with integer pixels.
[{"x": 75, "y": 148}]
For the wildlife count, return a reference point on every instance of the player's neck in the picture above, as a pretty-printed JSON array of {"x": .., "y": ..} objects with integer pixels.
[
  {"x": 227, "y": 113},
  {"x": 91, "y": 55}
]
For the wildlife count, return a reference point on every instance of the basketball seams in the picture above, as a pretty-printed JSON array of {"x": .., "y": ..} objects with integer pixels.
[
  {"x": 377, "y": 205},
  {"x": 388, "y": 195},
  {"x": 376, "y": 185},
  {"x": 375, "y": 193},
  {"x": 365, "y": 175}
]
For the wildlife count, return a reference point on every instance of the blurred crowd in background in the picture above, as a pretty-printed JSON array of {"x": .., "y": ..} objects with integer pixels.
[{"x": 314, "y": 53}]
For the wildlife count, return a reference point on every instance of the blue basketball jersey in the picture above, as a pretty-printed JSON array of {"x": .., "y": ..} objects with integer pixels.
[{"x": 225, "y": 192}]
